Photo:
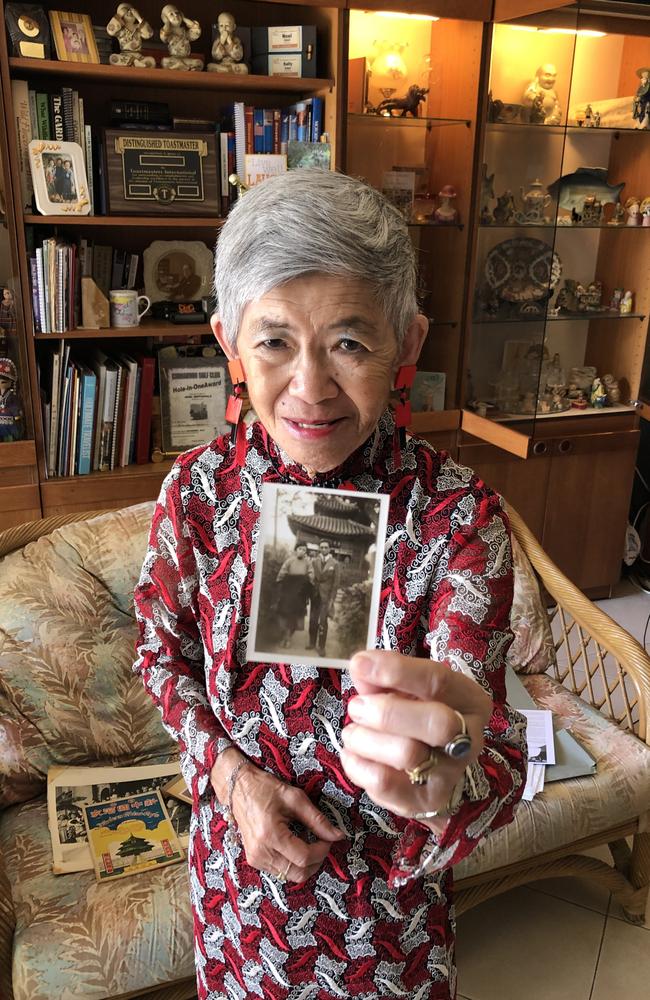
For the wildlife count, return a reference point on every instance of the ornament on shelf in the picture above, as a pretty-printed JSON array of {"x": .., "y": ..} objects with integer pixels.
[
  {"x": 581, "y": 380},
  {"x": 613, "y": 389},
  {"x": 227, "y": 48},
  {"x": 618, "y": 218},
  {"x": 446, "y": 213},
  {"x": 11, "y": 412},
  {"x": 487, "y": 195},
  {"x": 541, "y": 97},
  {"x": 641, "y": 103},
  {"x": 592, "y": 211},
  {"x": 598, "y": 396},
  {"x": 178, "y": 32},
  {"x": 615, "y": 302},
  {"x": 627, "y": 304},
  {"x": 505, "y": 209},
  {"x": 633, "y": 209},
  {"x": 402, "y": 106},
  {"x": 130, "y": 30},
  {"x": 571, "y": 190},
  {"x": 534, "y": 200},
  {"x": 645, "y": 212}
]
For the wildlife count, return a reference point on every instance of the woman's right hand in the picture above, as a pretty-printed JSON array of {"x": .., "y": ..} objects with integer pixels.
[{"x": 264, "y": 808}]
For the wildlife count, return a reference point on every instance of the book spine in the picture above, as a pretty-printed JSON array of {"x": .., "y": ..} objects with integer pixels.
[
  {"x": 232, "y": 167},
  {"x": 40, "y": 276},
  {"x": 64, "y": 425},
  {"x": 317, "y": 109},
  {"x": 33, "y": 114},
  {"x": 293, "y": 125},
  {"x": 107, "y": 420},
  {"x": 77, "y": 131},
  {"x": 117, "y": 271},
  {"x": 249, "y": 128},
  {"x": 88, "y": 140},
  {"x": 268, "y": 130},
  {"x": 118, "y": 415},
  {"x": 20, "y": 97},
  {"x": 284, "y": 132},
  {"x": 277, "y": 124},
  {"x": 54, "y": 413},
  {"x": 33, "y": 271},
  {"x": 56, "y": 102},
  {"x": 223, "y": 161},
  {"x": 258, "y": 130},
  {"x": 74, "y": 421},
  {"x": 85, "y": 432},
  {"x": 67, "y": 99},
  {"x": 101, "y": 179},
  {"x": 134, "y": 421},
  {"x": 145, "y": 402},
  {"x": 301, "y": 122},
  {"x": 43, "y": 116},
  {"x": 102, "y": 268},
  {"x": 132, "y": 274}
]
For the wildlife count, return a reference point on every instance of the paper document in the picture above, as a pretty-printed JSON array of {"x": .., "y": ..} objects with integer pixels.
[
  {"x": 534, "y": 781},
  {"x": 539, "y": 735}
]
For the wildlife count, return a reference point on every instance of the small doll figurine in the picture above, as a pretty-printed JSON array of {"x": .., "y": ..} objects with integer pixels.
[
  {"x": 177, "y": 33},
  {"x": 645, "y": 212},
  {"x": 633, "y": 209},
  {"x": 446, "y": 214},
  {"x": 615, "y": 303},
  {"x": 130, "y": 30},
  {"x": 598, "y": 397},
  {"x": 11, "y": 413},
  {"x": 641, "y": 105},
  {"x": 8, "y": 333},
  {"x": 626, "y": 304},
  {"x": 227, "y": 49}
]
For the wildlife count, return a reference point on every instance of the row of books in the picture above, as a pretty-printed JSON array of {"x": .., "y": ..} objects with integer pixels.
[
  {"x": 97, "y": 411},
  {"x": 56, "y": 269}
]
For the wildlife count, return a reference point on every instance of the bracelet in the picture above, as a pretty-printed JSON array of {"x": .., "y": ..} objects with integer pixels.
[
  {"x": 450, "y": 807},
  {"x": 231, "y": 833}
]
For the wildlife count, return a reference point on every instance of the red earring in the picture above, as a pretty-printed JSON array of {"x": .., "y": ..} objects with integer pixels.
[
  {"x": 238, "y": 404},
  {"x": 401, "y": 401}
]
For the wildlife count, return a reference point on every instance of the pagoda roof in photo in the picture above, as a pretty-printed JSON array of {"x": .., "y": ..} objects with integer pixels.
[{"x": 321, "y": 524}]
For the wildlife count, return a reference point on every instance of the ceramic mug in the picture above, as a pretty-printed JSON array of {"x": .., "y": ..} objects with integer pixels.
[{"x": 125, "y": 307}]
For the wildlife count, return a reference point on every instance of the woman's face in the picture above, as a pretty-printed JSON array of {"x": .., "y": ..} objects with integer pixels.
[
  {"x": 320, "y": 357},
  {"x": 301, "y": 552}
]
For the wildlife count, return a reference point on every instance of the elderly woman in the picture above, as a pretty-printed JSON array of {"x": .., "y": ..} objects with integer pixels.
[{"x": 329, "y": 807}]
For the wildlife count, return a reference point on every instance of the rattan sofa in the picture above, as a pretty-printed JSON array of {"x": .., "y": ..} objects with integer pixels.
[{"x": 67, "y": 694}]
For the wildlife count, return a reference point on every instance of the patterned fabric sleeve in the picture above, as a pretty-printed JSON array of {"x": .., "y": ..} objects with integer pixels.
[
  {"x": 169, "y": 650},
  {"x": 469, "y": 628}
]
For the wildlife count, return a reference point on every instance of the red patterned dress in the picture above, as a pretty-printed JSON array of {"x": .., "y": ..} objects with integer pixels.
[{"x": 377, "y": 919}]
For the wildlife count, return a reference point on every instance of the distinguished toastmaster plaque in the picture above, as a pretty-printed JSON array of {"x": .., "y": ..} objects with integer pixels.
[{"x": 161, "y": 173}]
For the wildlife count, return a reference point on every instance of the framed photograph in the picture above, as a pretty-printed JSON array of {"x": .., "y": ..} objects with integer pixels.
[
  {"x": 73, "y": 37},
  {"x": 318, "y": 573},
  {"x": 59, "y": 177},
  {"x": 428, "y": 392},
  {"x": 178, "y": 270},
  {"x": 193, "y": 394},
  {"x": 29, "y": 30}
]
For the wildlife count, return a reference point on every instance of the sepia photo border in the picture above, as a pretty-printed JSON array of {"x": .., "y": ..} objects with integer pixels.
[{"x": 266, "y": 524}]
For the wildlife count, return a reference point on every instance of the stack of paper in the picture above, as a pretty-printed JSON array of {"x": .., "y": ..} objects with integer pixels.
[{"x": 541, "y": 749}]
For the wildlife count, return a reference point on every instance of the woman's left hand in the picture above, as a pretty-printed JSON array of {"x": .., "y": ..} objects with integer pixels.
[{"x": 405, "y": 707}]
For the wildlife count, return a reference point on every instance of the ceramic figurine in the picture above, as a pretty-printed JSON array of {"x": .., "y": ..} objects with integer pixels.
[
  {"x": 588, "y": 117},
  {"x": 8, "y": 325},
  {"x": 570, "y": 190},
  {"x": 505, "y": 209},
  {"x": 592, "y": 211},
  {"x": 596, "y": 121},
  {"x": 130, "y": 30},
  {"x": 615, "y": 302},
  {"x": 403, "y": 105},
  {"x": 178, "y": 32},
  {"x": 598, "y": 397},
  {"x": 613, "y": 389},
  {"x": 618, "y": 218},
  {"x": 641, "y": 105},
  {"x": 633, "y": 209},
  {"x": 645, "y": 212},
  {"x": 534, "y": 200},
  {"x": 227, "y": 49},
  {"x": 487, "y": 194},
  {"x": 446, "y": 214},
  {"x": 627, "y": 304},
  {"x": 544, "y": 86},
  {"x": 11, "y": 411},
  {"x": 537, "y": 115}
]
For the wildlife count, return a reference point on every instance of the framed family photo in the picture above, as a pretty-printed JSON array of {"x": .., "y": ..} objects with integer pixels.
[
  {"x": 59, "y": 177},
  {"x": 73, "y": 37},
  {"x": 318, "y": 572}
]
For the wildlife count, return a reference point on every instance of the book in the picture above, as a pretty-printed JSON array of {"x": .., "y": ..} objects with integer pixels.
[
  {"x": 22, "y": 122},
  {"x": 240, "y": 137},
  {"x": 117, "y": 271},
  {"x": 132, "y": 269},
  {"x": 67, "y": 100},
  {"x": 118, "y": 413},
  {"x": 102, "y": 267},
  {"x": 147, "y": 366},
  {"x": 70, "y": 788},
  {"x": 88, "y": 149},
  {"x": 258, "y": 130},
  {"x": 134, "y": 421},
  {"x": 317, "y": 108},
  {"x": 43, "y": 116},
  {"x": 249, "y": 128},
  {"x": 56, "y": 111},
  {"x": 130, "y": 373},
  {"x": 88, "y": 392},
  {"x": 130, "y": 835},
  {"x": 33, "y": 114},
  {"x": 259, "y": 166},
  {"x": 54, "y": 410},
  {"x": 140, "y": 112}
]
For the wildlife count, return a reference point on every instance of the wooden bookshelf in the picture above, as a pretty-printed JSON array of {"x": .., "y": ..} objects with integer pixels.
[
  {"x": 126, "y": 221},
  {"x": 152, "y": 328}
]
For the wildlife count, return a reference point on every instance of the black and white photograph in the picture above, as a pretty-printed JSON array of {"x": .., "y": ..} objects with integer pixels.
[{"x": 318, "y": 575}]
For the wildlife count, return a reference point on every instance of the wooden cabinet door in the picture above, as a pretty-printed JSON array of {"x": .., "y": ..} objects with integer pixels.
[
  {"x": 521, "y": 481},
  {"x": 587, "y": 505}
]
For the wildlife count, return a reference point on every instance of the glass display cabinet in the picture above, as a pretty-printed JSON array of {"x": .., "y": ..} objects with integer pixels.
[
  {"x": 559, "y": 293},
  {"x": 410, "y": 130},
  {"x": 19, "y": 493}
]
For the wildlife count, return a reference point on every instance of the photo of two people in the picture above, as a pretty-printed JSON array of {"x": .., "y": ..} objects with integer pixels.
[{"x": 318, "y": 575}]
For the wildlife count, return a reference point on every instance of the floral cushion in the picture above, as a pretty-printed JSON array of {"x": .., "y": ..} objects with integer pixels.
[
  {"x": 532, "y": 650},
  {"x": 75, "y": 938},
  {"x": 568, "y": 810},
  {"x": 67, "y": 633}
]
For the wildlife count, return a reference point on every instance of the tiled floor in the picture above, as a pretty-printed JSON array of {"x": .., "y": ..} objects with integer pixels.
[{"x": 561, "y": 939}]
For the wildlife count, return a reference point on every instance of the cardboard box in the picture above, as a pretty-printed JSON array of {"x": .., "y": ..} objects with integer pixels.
[
  {"x": 296, "y": 44},
  {"x": 283, "y": 64}
]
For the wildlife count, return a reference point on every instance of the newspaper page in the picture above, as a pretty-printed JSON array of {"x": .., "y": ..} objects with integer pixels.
[
  {"x": 130, "y": 835},
  {"x": 71, "y": 788}
]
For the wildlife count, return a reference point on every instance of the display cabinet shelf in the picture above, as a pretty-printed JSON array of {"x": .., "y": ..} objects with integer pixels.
[
  {"x": 589, "y": 317},
  {"x": 523, "y": 127},
  {"x": 146, "y": 329},
  {"x": 419, "y": 122},
  {"x": 431, "y": 227},
  {"x": 126, "y": 221},
  {"x": 620, "y": 409},
  {"x": 167, "y": 78},
  {"x": 519, "y": 226}
]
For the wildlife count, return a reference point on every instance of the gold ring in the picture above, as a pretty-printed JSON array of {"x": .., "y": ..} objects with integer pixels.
[
  {"x": 461, "y": 745},
  {"x": 419, "y": 775}
]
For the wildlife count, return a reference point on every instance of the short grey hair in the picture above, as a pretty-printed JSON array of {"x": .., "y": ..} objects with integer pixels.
[{"x": 314, "y": 222}]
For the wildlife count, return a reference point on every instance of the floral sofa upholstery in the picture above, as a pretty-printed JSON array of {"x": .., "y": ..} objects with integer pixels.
[{"x": 68, "y": 696}]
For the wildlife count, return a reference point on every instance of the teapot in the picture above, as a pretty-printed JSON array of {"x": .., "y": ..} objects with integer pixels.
[{"x": 535, "y": 200}]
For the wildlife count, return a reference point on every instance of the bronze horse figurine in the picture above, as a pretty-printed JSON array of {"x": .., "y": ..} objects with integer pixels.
[{"x": 410, "y": 102}]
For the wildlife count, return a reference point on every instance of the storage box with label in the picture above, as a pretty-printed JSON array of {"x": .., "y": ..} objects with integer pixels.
[{"x": 285, "y": 51}]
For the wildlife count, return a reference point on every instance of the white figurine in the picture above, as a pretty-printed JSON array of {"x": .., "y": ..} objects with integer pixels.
[
  {"x": 645, "y": 212},
  {"x": 130, "y": 30},
  {"x": 633, "y": 209},
  {"x": 543, "y": 87},
  {"x": 227, "y": 49},
  {"x": 627, "y": 303},
  {"x": 178, "y": 32},
  {"x": 446, "y": 214}
]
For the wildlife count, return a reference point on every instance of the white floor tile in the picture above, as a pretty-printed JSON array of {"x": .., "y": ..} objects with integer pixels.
[
  {"x": 581, "y": 891},
  {"x": 528, "y": 944},
  {"x": 624, "y": 964}
]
